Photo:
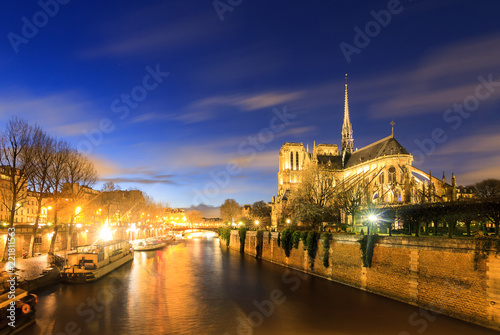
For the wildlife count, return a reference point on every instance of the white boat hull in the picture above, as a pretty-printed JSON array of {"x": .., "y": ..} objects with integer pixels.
[
  {"x": 150, "y": 247},
  {"x": 78, "y": 276}
]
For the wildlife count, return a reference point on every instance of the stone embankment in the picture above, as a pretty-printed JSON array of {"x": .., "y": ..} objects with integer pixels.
[{"x": 455, "y": 277}]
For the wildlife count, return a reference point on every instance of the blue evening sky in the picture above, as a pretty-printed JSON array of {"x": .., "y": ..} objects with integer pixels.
[{"x": 191, "y": 100}]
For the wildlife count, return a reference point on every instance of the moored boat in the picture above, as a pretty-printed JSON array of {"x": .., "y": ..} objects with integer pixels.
[
  {"x": 148, "y": 244},
  {"x": 92, "y": 262},
  {"x": 167, "y": 239},
  {"x": 17, "y": 310}
]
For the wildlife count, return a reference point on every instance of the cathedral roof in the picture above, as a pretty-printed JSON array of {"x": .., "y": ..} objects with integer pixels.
[
  {"x": 335, "y": 162},
  {"x": 383, "y": 147}
]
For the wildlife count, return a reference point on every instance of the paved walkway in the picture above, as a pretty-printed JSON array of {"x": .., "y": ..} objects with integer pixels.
[{"x": 29, "y": 268}]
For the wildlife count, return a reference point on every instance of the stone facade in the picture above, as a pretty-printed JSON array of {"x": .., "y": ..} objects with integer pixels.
[
  {"x": 81, "y": 236},
  {"x": 437, "y": 274},
  {"x": 382, "y": 169}
]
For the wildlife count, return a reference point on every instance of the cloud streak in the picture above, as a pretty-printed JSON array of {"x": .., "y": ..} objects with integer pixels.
[
  {"x": 63, "y": 113},
  {"x": 152, "y": 33},
  {"x": 444, "y": 77}
]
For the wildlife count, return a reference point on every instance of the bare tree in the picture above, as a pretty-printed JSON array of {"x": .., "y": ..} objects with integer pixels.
[
  {"x": 488, "y": 191},
  {"x": 352, "y": 194},
  {"x": 230, "y": 210},
  {"x": 79, "y": 175},
  {"x": 39, "y": 180},
  {"x": 488, "y": 188},
  {"x": 16, "y": 155},
  {"x": 108, "y": 197},
  {"x": 56, "y": 172},
  {"x": 194, "y": 216},
  {"x": 262, "y": 212},
  {"x": 313, "y": 200}
]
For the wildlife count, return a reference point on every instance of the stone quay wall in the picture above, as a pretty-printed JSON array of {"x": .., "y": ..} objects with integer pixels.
[
  {"x": 438, "y": 274},
  {"x": 81, "y": 236}
]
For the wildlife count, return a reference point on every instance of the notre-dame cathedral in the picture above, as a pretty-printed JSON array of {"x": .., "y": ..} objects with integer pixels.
[{"x": 383, "y": 167}]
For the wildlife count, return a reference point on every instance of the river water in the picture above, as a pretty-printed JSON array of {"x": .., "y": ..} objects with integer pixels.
[{"x": 196, "y": 287}]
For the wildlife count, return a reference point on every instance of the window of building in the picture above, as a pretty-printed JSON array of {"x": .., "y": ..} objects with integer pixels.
[
  {"x": 296, "y": 161},
  {"x": 381, "y": 178},
  {"x": 398, "y": 195},
  {"x": 291, "y": 160},
  {"x": 38, "y": 240},
  {"x": 392, "y": 175}
]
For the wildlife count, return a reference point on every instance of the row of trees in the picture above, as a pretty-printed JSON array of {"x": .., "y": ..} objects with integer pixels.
[
  {"x": 483, "y": 209},
  {"x": 123, "y": 206},
  {"x": 259, "y": 211},
  {"x": 35, "y": 164},
  {"x": 322, "y": 197}
]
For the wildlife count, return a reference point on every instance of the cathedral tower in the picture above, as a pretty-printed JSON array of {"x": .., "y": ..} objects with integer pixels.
[{"x": 347, "y": 140}]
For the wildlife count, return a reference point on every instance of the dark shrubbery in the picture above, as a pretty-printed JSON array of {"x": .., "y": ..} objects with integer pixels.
[
  {"x": 366, "y": 244},
  {"x": 287, "y": 241},
  {"x": 225, "y": 234},
  {"x": 242, "y": 232},
  {"x": 325, "y": 239}
]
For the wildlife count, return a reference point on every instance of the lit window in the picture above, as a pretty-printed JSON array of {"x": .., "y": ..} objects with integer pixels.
[{"x": 392, "y": 175}]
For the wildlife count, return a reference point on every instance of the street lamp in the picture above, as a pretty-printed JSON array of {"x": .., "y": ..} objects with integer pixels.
[
  {"x": 288, "y": 221},
  {"x": 372, "y": 219}
]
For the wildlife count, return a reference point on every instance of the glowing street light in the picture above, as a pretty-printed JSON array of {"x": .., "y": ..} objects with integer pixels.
[
  {"x": 257, "y": 222},
  {"x": 372, "y": 218},
  {"x": 105, "y": 234},
  {"x": 288, "y": 221}
]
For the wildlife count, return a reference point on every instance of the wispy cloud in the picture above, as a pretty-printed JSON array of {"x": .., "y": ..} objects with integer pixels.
[
  {"x": 478, "y": 143},
  {"x": 206, "y": 210},
  {"x": 484, "y": 168},
  {"x": 247, "y": 102},
  {"x": 445, "y": 76},
  {"x": 473, "y": 158},
  {"x": 138, "y": 180},
  {"x": 61, "y": 114},
  {"x": 218, "y": 106},
  {"x": 152, "y": 32},
  {"x": 110, "y": 171}
]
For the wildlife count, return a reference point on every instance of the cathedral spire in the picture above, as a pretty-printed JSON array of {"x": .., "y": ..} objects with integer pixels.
[{"x": 347, "y": 140}]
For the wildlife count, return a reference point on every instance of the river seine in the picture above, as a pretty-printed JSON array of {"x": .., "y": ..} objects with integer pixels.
[{"x": 196, "y": 287}]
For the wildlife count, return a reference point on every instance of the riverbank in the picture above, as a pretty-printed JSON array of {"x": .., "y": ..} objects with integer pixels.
[
  {"x": 448, "y": 276},
  {"x": 34, "y": 273}
]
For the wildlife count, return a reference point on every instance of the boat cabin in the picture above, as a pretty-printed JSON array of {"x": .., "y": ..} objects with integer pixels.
[{"x": 90, "y": 257}]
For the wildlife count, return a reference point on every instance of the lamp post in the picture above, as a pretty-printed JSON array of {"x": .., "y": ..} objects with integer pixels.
[{"x": 372, "y": 219}]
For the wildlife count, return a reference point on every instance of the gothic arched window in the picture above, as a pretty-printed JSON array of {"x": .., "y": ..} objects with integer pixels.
[
  {"x": 392, "y": 175},
  {"x": 397, "y": 195},
  {"x": 381, "y": 178}
]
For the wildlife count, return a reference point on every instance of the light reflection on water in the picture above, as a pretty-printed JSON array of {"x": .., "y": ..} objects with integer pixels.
[{"x": 194, "y": 287}]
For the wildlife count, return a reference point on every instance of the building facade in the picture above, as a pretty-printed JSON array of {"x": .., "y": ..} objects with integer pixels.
[{"x": 383, "y": 171}]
